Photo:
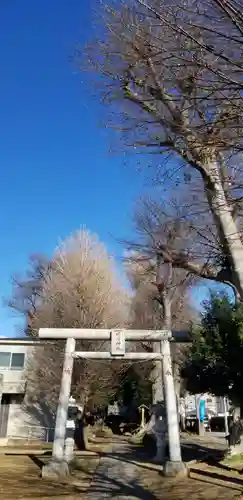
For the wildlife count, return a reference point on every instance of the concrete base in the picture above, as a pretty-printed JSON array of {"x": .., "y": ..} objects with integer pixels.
[
  {"x": 55, "y": 470},
  {"x": 175, "y": 469}
]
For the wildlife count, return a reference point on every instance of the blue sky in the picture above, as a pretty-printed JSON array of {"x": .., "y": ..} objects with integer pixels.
[{"x": 56, "y": 173}]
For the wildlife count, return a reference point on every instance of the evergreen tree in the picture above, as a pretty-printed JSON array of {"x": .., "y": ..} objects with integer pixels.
[{"x": 214, "y": 360}]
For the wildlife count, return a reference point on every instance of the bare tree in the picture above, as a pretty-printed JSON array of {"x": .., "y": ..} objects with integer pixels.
[
  {"x": 27, "y": 290},
  {"x": 78, "y": 288},
  {"x": 183, "y": 233},
  {"x": 177, "y": 97},
  {"x": 161, "y": 294},
  {"x": 233, "y": 11},
  {"x": 221, "y": 22}
]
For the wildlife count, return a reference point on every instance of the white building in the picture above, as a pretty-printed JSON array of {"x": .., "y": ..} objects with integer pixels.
[{"x": 16, "y": 420}]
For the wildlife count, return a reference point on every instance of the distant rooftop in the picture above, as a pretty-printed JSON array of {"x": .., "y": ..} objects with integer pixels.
[{"x": 21, "y": 341}]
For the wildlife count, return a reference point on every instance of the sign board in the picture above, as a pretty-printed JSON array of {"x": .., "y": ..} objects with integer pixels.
[
  {"x": 117, "y": 343},
  {"x": 202, "y": 410}
]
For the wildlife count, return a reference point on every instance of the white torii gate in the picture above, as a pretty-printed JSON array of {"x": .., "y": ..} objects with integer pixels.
[{"x": 117, "y": 338}]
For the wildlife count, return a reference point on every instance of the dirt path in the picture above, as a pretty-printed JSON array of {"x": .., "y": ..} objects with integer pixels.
[
  {"x": 195, "y": 487},
  {"x": 124, "y": 475},
  {"x": 117, "y": 477}
]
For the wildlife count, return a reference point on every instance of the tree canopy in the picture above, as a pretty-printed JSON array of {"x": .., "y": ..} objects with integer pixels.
[
  {"x": 77, "y": 288},
  {"x": 171, "y": 74}
]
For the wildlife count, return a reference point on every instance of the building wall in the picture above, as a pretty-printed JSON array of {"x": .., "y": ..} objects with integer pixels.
[
  {"x": 23, "y": 425},
  {"x": 23, "y": 421},
  {"x": 13, "y": 380}
]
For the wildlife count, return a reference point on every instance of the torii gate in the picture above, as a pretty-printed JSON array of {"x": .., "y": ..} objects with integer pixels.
[{"x": 117, "y": 338}]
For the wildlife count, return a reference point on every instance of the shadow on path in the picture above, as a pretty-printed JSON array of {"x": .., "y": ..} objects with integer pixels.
[
  {"x": 215, "y": 475},
  {"x": 117, "y": 476},
  {"x": 195, "y": 451},
  {"x": 190, "y": 451},
  {"x": 104, "y": 487}
]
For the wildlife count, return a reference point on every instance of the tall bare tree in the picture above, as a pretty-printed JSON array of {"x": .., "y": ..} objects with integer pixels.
[
  {"x": 182, "y": 231},
  {"x": 161, "y": 297},
  {"x": 213, "y": 19},
  {"x": 178, "y": 97},
  {"x": 78, "y": 288}
]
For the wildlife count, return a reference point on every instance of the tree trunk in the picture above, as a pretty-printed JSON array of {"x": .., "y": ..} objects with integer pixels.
[{"x": 227, "y": 227}]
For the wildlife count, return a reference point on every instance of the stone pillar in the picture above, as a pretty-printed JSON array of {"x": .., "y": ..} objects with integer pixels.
[
  {"x": 175, "y": 465},
  {"x": 58, "y": 465},
  {"x": 156, "y": 377}
]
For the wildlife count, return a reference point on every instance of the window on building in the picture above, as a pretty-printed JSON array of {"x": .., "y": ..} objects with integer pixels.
[
  {"x": 5, "y": 359},
  {"x": 17, "y": 361},
  {"x": 12, "y": 361}
]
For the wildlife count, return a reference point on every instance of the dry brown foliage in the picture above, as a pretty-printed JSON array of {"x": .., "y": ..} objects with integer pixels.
[{"x": 78, "y": 288}]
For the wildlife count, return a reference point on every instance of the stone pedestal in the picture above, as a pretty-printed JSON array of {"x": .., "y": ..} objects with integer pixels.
[
  {"x": 161, "y": 450},
  {"x": 55, "y": 470},
  {"x": 175, "y": 469}
]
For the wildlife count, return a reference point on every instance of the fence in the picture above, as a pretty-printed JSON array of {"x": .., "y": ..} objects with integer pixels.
[{"x": 32, "y": 433}]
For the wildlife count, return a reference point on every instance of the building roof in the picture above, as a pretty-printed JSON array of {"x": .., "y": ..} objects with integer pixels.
[{"x": 21, "y": 341}]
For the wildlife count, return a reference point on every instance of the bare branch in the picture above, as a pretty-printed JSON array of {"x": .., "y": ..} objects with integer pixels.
[{"x": 178, "y": 89}]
